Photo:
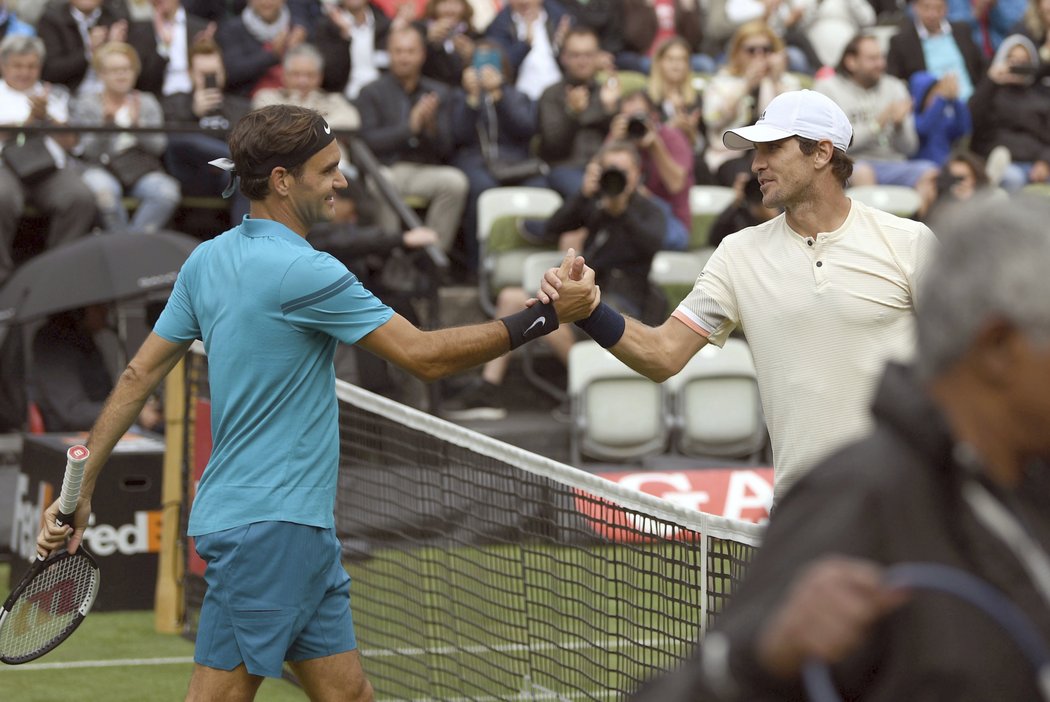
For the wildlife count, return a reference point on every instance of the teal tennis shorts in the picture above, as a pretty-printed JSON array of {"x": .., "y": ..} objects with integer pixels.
[{"x": 277, "y": 592}]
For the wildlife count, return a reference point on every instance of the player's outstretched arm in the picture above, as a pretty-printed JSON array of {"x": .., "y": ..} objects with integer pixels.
[
  {"x": 430, "y": 355},
  {"x": 154, "y": 360},
  {"x": 657, "y": 352}
]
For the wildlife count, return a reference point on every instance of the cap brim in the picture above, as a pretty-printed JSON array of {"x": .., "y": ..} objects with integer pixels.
[{"x": 747, "y": 137}]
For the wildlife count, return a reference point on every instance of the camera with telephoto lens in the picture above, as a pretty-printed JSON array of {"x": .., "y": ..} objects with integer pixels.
[
  {"x": 637, "y": 126},
  {"x": 612, "y": 182}
]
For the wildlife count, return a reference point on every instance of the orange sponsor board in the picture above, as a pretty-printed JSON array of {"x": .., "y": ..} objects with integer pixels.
[{"x": 737, "y": 493}]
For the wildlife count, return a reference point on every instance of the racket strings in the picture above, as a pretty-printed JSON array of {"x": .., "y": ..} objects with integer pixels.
[{"x": 48, "y": 608}]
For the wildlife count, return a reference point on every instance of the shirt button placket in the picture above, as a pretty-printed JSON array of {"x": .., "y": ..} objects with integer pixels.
[{"x": 818, "y": 265}]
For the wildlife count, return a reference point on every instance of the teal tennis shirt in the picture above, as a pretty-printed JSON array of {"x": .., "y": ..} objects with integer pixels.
[{"x": 270, "y": 309}]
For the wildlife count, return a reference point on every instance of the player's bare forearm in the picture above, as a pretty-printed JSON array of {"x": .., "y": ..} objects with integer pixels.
[
  {"x": 657, "y": 352},
  {"x": 431, "y": 355},
  {"x": 151, "y": 364},
  {"x": 435, "y": 354}
]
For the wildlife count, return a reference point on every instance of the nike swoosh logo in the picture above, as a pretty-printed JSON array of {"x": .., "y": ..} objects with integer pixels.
[
  {"x": 327, "y": 129},
  {"x": 540, "y": 321}
]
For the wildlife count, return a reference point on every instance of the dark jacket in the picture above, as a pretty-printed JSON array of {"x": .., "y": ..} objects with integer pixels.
[
  {"x": 603, "y": 16},
  {"x": 246, "y": 59},
  {"x": 178, "y": 111},
  {"x": 143, "y": 37},
  {"x": 501, "y": 30},
  {"x": 640, "y": 25},
  {"x": 1014, "y": 116},
  {"x": 304, "y": 12},
  {"x": 442, "y": 65},
  {"x": 730, "y": 221},
  {"x": 70, "y": 380},
  {"x": 620, "y": 248},
  {"x": 893, "y": 497},
  {"x": 384, "y": 106},
  {"x": 65, "y": 62},
  {"x": 905, "y": 56},
  {"x": 514, "y": 124},
  {"x": 570, "y": 139},
  {"x": 336, "y": 50}
]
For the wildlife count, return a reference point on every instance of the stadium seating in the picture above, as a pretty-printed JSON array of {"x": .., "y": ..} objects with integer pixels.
[
  {"x": 502, "y": 250},
  {"x": 675, "y": 272},
  {"x": 617, "y": 414},
  {"x": 532, "y": 270},
  {"x": 630, "y": 81},
  {"x": 715, "y": 404},
  {"x": 706, "y": 202},
  {"x": 895, "y": 199}
]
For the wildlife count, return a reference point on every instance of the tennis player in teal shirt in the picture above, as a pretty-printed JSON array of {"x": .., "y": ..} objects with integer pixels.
[{"x": 270, "y": 310}]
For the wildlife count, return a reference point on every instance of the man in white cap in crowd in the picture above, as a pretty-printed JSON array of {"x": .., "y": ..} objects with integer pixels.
[{"x": 824, "y": 292}]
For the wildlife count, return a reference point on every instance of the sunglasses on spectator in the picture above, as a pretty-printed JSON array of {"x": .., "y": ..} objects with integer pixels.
[{"x": 754, "y": 50}]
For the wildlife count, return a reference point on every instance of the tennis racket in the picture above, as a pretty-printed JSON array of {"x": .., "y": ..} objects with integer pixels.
[{"x": 57, "y": 592}]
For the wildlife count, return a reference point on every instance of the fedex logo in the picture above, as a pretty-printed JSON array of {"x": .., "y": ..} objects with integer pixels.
[{"x": 142, "y": 535}]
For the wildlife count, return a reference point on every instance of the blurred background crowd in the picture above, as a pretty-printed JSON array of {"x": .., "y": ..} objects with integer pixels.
[{"x": 616, "y": 106}]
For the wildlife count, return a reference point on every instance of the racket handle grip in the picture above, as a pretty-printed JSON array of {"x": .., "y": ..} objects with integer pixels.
[{"x": 76, "y": 457}]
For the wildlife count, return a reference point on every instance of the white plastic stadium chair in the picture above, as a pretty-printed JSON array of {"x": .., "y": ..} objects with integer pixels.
[
  {"x": 883, "y": 33},
  {"x": 716, "y": 405},
  {"x": 675, "y": 272},
  {"x": 502, "y": 267},
  {"x": 895, "y": 199},
  {"x": 706, "y": 202},
  {"x": 617, "y": 414},
  {"x": 678, "y": 266}
]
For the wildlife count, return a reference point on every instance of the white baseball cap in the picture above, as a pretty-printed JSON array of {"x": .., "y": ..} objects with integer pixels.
[{"x": 803, "y": 113}]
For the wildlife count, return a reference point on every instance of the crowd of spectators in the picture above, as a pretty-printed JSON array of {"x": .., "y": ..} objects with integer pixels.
[{"x": 458, "y": 96}]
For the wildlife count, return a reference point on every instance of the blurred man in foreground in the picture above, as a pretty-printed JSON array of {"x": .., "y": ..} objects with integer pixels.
[{"x": 954, "y": 475}]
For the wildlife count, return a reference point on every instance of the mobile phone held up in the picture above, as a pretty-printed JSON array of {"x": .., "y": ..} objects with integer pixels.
[
  {"x": 211, "y": 81},
  {"x": 1024, "y": 69},
  {"x": 485, "y": 56}
]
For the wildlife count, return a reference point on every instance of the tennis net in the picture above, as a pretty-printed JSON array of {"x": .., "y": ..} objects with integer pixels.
[{"x": 484, "y": 572}]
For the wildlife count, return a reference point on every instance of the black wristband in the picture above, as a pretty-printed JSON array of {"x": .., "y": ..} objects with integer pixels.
[
  {"x": 531, "y": 323},
  {"x": 605, "y": 325}
]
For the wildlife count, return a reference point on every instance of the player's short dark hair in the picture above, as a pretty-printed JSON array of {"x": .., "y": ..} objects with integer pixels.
[
  {"x": 841, "y": 164},
  {"x": 261, "y": 134}
]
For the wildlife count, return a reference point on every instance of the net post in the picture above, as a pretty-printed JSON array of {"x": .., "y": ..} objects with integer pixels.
[{"x": 167, "y": 611}]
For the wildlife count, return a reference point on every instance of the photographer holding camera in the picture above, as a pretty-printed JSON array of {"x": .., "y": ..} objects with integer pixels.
[
  {"x": 574, "y": 114},
  {"x": 617, "y": 229},
  {"x": 209, "y": 107},
  {"x": 667, "y": 162}
]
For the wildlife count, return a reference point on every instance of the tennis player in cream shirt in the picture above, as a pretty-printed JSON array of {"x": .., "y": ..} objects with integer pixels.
[{"x": 824, "y": 292}]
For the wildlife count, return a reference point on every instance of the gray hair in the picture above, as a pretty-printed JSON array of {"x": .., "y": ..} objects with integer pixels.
[
  {"x": 307, "y": 50},
  {"x": 20, "y": 45},
  {"x": 993, "y": 264}
]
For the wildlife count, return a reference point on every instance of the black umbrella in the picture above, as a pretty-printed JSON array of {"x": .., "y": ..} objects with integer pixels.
[{"x": 97, "y": 268}]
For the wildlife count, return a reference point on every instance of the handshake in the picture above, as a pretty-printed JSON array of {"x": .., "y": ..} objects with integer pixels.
[{"x": 571, "y": 295}]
